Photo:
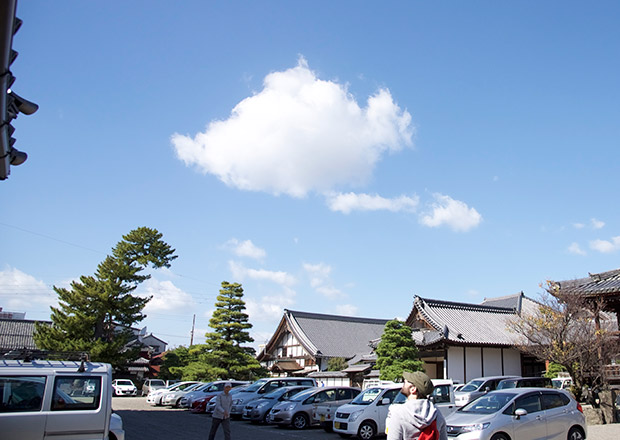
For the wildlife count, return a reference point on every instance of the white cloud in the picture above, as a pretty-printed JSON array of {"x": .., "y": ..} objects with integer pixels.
[
  {"x": 270, "y": 307},
  {"x": 279, "y": 277},
  {"x": 575, "y": 249},
  {"x": 346, "y": 309},
  {"x": 330, "y": 292},
  {"x": 605, "y": 246},
  {"x": 20, "y": 292},
  {"x": 319, "y": 280},
  {"x": 299, "y": 134},
  {"x": 578, "y": 225},
  {"x": 597, "y": 224},
  {"x": 166, "y": 297},
  {"x": 453, "y": 213},
  {"x": 346, "y": 203},
  {"x": 246, "y": 249}
]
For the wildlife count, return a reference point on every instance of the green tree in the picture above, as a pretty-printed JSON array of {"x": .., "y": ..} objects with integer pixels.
[
  {"x": 553, "y": 370},
  {"x": 225, "y": 356},
  {"x": 397, "y": 352},
  {"x": 94, "y": 314},
  {"x": 336, "y": 364}
]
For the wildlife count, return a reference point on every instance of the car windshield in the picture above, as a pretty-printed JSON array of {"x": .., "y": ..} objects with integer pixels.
[
  {"x": 124, "y": 382},
  {"x": 193, "y": 387},
  {"x": 302, "y": 395},
  {"x": 202, "y": 387},
  {"x": 488, "y": 404},
  {"x": 367, "y": 397},
  {"x": 275, "y": 393},
  {"x": 471, "y": 386},
  {"x": 255, "y": 386},
  {"x": 158, "y": 383},
  {"x": 507, "y": 384}
]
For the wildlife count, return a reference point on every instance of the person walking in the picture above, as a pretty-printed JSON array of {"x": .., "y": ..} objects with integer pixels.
[
  {"x": 221, "y": 413},
  {"x": 417, "y": 418}
]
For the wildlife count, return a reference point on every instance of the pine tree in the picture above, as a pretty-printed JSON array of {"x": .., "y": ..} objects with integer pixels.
[
  {"x": 94, "y": 314},
  {"x": 225, "y": 357},
  {"x": 397, "y": 352}
]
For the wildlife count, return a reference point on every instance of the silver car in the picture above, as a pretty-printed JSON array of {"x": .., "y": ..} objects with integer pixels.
[
  {"x": 477, "y": 387},
  {"x": 297, "y": 411},
  {"x": 256, "y": 411},
  {"x": 173, "y": 398},
  {"x": 528, "y": 413}
]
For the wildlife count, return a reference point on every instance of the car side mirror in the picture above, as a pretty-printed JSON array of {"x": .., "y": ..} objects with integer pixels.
[
  {"x": 431, "y": 399},
  {"x": 520, "y": 412},
  {"x": 487, "y": 389},
  {"x": 385, "y": 401}
]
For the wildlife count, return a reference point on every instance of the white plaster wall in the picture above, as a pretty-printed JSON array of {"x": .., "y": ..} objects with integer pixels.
[
  {"x": 512, "y": 362},
  {"x": 473, "y": 363},
  {"x": 492, "y": 361},
  {"x": 455, "y": 364}
]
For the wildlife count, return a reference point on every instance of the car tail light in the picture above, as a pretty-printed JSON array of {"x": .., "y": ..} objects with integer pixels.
[{"x": 579, "y": 408}]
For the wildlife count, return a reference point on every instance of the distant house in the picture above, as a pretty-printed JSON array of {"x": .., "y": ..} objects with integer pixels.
[
  {"x": 16, "y": 334},
  {"x": 304, "y": 342},
  {"x": 462, "y": 341}
]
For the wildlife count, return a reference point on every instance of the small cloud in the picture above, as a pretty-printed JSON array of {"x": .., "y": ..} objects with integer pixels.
[
  {"x": 330, "y": 292},
  {"x": 279, "y": 277},
  {"x": 346, "y": 203},
  {"x": 245, "y": 249},
  {"x": 347, "y": 310},
  {"x": 452, "y": 213},
  {"x": 597, "y": 224},
  {"x": 297, "y": 135},
  {"x": 21, "y": 292},
  {"x": 270, "y": 307},
  {"x": 575, "y": 249},
  {"x": 166, "y": 297},
  {"x": 472, "y": 293},
  {"x": 319, "y": 280},
  {"x": 606, "y": 247},
  {"x": 578, "y": 225}
]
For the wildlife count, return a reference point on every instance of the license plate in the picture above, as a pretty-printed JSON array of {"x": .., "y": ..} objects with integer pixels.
[
  {"x": 322, "y": 418},
  {"x": 337, "y": 425}
]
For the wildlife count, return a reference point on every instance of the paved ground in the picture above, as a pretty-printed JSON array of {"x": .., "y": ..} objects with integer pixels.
[{"x": 142, "y": 421}]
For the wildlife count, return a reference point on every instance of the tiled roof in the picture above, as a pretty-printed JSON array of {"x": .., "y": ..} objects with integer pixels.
[
  {"x": 604, "y": 283},
  {"x": 462, "y": 323},
  {"x": 17, "y": 334},
  {"x": 334, "y": 335}
]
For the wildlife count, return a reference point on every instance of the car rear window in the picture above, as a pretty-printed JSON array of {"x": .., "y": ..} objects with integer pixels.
[{"x": 76, "y": 393}]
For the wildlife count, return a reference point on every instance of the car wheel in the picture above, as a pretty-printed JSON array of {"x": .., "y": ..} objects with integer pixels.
[
  {"x": 575, "y": 434},
  {"x": 300, "y": 421},
  {"x": 177, "y": 403},
  {"x": 367, "y": 430},
  {"x": 500, "y": 436}
]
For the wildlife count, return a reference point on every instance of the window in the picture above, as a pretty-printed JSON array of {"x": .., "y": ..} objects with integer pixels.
[
  {"x": 76, "y": 393},
  {"x": 441, "y": 394},
  {"x": 19, "y": 394},
  {"x": 530, "y": 403},
  {"x": 343, "y": 394},
  {"x": 553, "y": 400}
]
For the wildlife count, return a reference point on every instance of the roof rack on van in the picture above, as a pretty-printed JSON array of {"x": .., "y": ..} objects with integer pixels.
[{"x": 29, "y": 355}]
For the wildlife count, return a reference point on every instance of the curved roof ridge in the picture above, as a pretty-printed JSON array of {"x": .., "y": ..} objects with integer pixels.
[
  {"x": 300, "y": 314},
  {"x": 466, "y": 306}
]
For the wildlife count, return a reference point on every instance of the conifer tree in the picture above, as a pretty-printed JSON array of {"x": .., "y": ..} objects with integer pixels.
[
  {"x": 397, "y": 352},
  {"x": 225, "y": 356},
  {"x": 94, "y": 314}
]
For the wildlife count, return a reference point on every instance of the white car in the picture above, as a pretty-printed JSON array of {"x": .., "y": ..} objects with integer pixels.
[
  {"x": 532, "y": 413},
  {"x": 365, "y": 416},
  {"x": 173, "y": 398},
  {"x": 116, "y": 428},
  {"x": 155, "y": 396},
  {"x": 124, "y": 387}
]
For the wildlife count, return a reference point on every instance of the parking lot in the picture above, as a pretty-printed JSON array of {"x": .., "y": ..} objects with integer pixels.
[{"x": 142, "y": 421}]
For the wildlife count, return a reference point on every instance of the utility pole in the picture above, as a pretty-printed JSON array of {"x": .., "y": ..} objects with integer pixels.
[{"x": 191, "y": 341}]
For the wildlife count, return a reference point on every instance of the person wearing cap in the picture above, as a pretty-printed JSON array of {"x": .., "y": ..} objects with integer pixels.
[
  {"x": 221, "y": 413},
  {"x": 417, "y": 418}
]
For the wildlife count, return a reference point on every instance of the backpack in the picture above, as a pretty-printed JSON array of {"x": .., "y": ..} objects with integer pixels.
[{"x": 430, "y": 432}]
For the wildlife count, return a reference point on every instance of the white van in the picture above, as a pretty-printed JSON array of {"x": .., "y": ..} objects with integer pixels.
[
  {"x": 365, "y": 416},
  {"x": 41, "y": 400}
]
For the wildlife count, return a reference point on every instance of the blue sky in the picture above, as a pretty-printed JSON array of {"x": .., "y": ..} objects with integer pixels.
[{"x": 333, "y": 157}]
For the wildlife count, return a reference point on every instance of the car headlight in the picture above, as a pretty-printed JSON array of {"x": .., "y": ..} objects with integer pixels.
[
  {"x": 354, "y": 415},
  {"x": 289, "y": 407},
  {"x": 260, "y": 405},
  {"x": 237, "y": 401},
  {"x": 476, "y": 427}
]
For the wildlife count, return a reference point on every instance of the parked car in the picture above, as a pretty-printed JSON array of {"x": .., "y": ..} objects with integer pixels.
[
  {"x": 36, "y": 400},
  {"x": 525, "y": 382},
  {"x": 209, "y": 389},
  {"x": 262, "y": 387},
  {"x": 155, "y": 396},
  {"x": 365, "y": 415},
  {"x": 152, "y": 384},
  {"x": 173, "y": 398},
  {"x": 124, "y": 387},
  {"x": 516, "y": 413},
  {"x": 562, "y": 383},
  {"x": 256, "y": 411},
  {"x": 207, "y": 404},
  {"x": 477, "y": 387},
  {"x": 297, "y": 411}
]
